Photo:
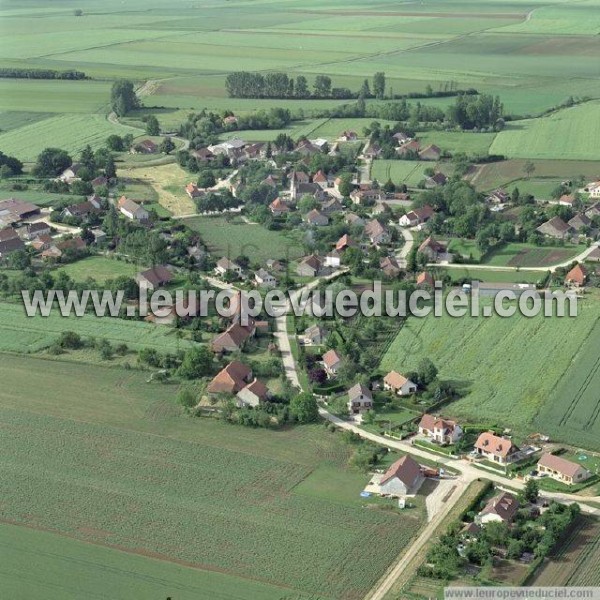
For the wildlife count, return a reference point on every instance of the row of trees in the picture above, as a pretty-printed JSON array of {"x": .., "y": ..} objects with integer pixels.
[
  {"x": 15, "y": 73},
  {"x": 244, "y": 84}
]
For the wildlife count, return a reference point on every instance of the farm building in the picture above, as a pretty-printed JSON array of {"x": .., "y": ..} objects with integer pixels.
[
  {"x": 433, "y": 250},
  {"x": 431, "y": 152},
  {"x": 145, "y": 147},
  {"x": 11, "y": 245},
  {"x": 562, "y": 470},
  {"x": 442, "y": 431},
  {"x": 436, "y": 180},
  {"x": 253, "y": 394},
  {"x": 555, "y": 228},
  {"x": 399, "y": 384},
  {"x": 310, "y": 266},
  {"x": 233, "y": 338},
  {"x": 224, "y": 266},
  {"x": 492, "y": 289},
  {"x": 14, "y": 211}
]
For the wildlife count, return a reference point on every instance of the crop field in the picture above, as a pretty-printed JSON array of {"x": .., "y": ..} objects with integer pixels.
[
  {"x": 569, "y": 134},
  {"x": 120, "y": 576},
  {"x": 573, "y": 408},
  {"x": 20, "y": 333},
  {"x": 511, "y": 367},
  {"x": 575, "y": 562},
  {"x": 70, "y": 132},
  {"x": 201, "y": 493},
  {"x": 529, "y": 255},
  {"x": 490, "y": 276},
  {"x": 472, "y": 144},
  {"x": 409, "y": 172},
  {"x": 233, "y": 238}
]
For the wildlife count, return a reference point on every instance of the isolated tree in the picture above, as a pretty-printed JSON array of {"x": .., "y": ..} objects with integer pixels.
[
  {"x": 152, "y": 125},
  {"x": 110, "y": 170},
  {"x": 365, "y": 90},
  {"x": 167, "y": 146},
  {"x": 528, "y": 169},
  {"x": 531, "y": 491},
  {"x": 206, "y": 179},
  {"x": 346, "y": 186},
  {"x": 115, "y": 143},
  {"x": 52, "y": 162},
  {"x": 304, "y": 408},
  {"x": 196, "y": 363},
  {"x": 379, "y": 85},
  {"x": 78, "y": 12},
  {"x": 123, "y": 98}
]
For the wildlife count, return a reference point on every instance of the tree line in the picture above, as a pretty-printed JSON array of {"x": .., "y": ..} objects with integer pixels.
[
  {"x": 14, "y": 73},
  {"x": 245, "y": 84}
]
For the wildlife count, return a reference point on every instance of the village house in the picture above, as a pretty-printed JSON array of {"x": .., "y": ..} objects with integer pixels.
[
  {"x": 359, "y": 399},
  {"x": 372, "y": 151},
  {"x": 377, "y": 233},
  {"x": 401, "y": 138},
  {"x": 41, "y": 243},
  {"x": 193, "y": 191},
  {"x": 34, "y": 230},
  {"x": 145, "y": 147},
  {"x": 502, "y": 508},
  {"x": 255, "y": 393},
  {"x": 593, "y": 189},
  {"x": 230, "y": 380},
  {"x": 440, "y": 430},
  {"x": 71, "y": 173},
  {"x": 354, "y": 220},
  {"x": 366, "y": 195},
  {"x": 314, "y": 217},
  {"x": 390, "y": 267},
  {"x": 263, "y": 278},
  {"x": 333, "y": 259},
  {"x": 332, "y": 362},
  {"x": 400, "y": 385},
  {"x": 567, "y": 200},
  {"x": 425, "y": 280},
  {"x": 278, "y": 207},
  {"x": 81, "y": 211},
  {"x": 436, "y": 180},
  {"x": 331, "y": 206},
  {"x": 417, "y": 216},
  {"x": 496, "y": 449},
  {"x": 348, "y": 136},
  {"x": 224, "y": 266},
  {"x": 203, "y": 155},
  {"x": 11, "y": 245},
  {"x": 561, "y": 469},
  {"x": 233, "y": 338},
  {"x": 153, "y": 278},
  {"x": 576, "y": 277},
  {"x": 431, "y": 152},
  {"x": 594, "y": 255},
  {"x": 99, "y": 235},
  {"x": 344, "y": 243},
  {"x": 579, "y": 222},
  {"x": 433, "y": 250},
  {"x": 315, "y": 335},
  {"x": 498, "y": 197},
  {"x": 593, "y": 210},
  {"x": 9, "y": 233},
  {"x": 132, "y": 210},
  {"x": 555, "y": 228},
  {"x": 100, "y": 181},
  {"x": 309, "y": 266},
  {"x": 408, "y": 149},
  {"x": 403, "y": 478}
]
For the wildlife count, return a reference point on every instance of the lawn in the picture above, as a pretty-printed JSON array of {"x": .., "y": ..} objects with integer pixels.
[
  {"x": 515, "y": 370},
  {"x": 466, "y": 248},
  {"x": 99, "y": 268},
  {"x": 119, "y": 465},
  {"x": 409, "y": 172},
  {"x": 234, "y": 237},
  {"x": 569, "y": 134},
  {"x": 68, "y": 569},
  {"x": 20, "y": 333}
]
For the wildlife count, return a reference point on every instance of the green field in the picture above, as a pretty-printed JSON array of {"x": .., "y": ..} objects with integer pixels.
[
  {"x": 234, "y": 238},
  {"x": 20, "y": 333},
  {"x": 472, "y": 144},
  {"x": 99, "y": 268},
  {"x": 490, "y": 276},
  {"x": 569, "y": 134},
  {"x": 409, "y": 172},
  {"x": 119, "y": 465},
  {"x": 515, "y": 369},
  {"x": 70, "y": 132},
  {"x": 67, "y": 569}
]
